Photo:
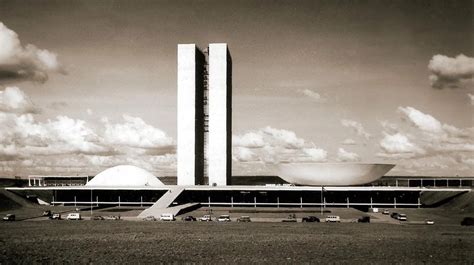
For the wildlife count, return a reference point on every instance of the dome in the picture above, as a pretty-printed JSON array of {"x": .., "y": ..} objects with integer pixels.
[
  {"x": 332, "y": 174},
  {"x": 125, "y": 175}
]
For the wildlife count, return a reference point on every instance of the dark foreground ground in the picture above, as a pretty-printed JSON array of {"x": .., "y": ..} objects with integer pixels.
[{"x": 153, "y": 242}]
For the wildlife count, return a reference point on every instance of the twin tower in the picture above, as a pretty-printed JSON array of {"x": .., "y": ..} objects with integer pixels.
[{"x": 204, "y": 115}]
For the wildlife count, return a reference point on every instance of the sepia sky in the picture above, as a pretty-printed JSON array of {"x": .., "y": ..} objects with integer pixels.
[{"x": 313, "y": 81}]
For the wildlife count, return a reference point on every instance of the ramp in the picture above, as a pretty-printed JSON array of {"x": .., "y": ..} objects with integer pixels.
[{"x": 163, "y": 203}]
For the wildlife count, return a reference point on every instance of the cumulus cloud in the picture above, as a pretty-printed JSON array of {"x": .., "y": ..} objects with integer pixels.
[
  {"x": 18, "y": 62},
  {"x": 431, "y": 145},
  {"x": 399, "y": 143},
  {"x": 423, "y": 121},
  {"x": 271, "y": 145},
  {"x": 13, "y": 99},
  {"x": 250, "y": 140},
  {"x": 357, "y": 127},
  {"x": 243, "y": 154},
  {"x": 134, "y": 132},
  {"x": 23, "y": 136},
  {"x": 450, "y": 72},
  {"x": 313, "y": 95},
  {"x": 348, "y": 141},
  {"x": 346, "y": 156},
  {"x": 316, "y": 154}
]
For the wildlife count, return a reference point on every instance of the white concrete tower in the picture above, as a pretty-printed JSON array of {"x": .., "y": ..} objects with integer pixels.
[
  {"x": 190, "y": 132},
  {"x": 220, "y": 115}
]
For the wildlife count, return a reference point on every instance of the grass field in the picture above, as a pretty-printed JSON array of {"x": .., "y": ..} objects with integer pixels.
[{"x": 152, "y": 242}]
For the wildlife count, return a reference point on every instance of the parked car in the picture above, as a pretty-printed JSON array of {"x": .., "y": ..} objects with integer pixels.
[
  {"x": 364, "y": 219},
  {"x": 149, "y": 218},
  {"x": 167, "y": 217},
  {"x": 189, "y": 218},
  {"x": 394, "y": 215},
  {"x": 290, "y": 219},
  {"x": 402, "y": 217},
  {"x": 429, "y": 222},
  {"x": 97, "y": 218},
  {"x": 74, "y": 216},
  {"x": 9, "y": 217},
  {"x": 244, "y": 219},
  {"x": 467, "y": 221},
  {"x": 47, "y": 213},
  {"x": 386, "y": 212},
  {"x": 112, "y": 217},
  {"x": 206, "y": 218},
  {"x": 55, "y": 216},
  {"x": 224, "y": 218},
  {"x": 333, "y": 219},
  {"x": 310, "y": 219}
]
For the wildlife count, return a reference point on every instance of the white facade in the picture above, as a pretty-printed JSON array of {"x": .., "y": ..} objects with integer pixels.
[
  {"x": 186, "y": 114},
  {"x": 220, "y": 110}
]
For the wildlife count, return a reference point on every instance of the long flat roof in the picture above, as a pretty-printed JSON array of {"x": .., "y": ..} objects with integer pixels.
[{"x": 248, "y": 188}]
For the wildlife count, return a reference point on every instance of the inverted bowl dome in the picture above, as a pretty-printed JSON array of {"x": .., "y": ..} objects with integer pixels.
[{"x": 332, "y": 174}]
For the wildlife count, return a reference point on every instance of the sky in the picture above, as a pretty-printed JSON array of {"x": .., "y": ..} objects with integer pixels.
[{"x": 86, "y": 85}]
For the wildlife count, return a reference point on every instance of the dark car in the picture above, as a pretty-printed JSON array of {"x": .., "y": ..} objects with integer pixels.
[
  {"x": 9, "y": 217},
  {"x": 394, "y": 215},
  {"x": 189, "y": 218},
  {"x": 310, "y": 219},
  {"x": 97, "y": 218},
  {"x": 244, "y": 219},
  {"x": 290, "y": 219},
  {"x": 364, "y": 219},
  {"x": 468, "y": 221}
]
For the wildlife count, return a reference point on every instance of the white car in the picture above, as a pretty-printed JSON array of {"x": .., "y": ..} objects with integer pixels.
[
  {"x": 167, "y": 217},
  {"x": 206, "y": 218},
  {"x": 402, "y": 217},
  {"x": 74, "y": 216},
  {"x": 224, "y": 218},
  {"x": 333, "y": 219}
]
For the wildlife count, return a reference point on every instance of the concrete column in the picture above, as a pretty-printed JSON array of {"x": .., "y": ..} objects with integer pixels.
[
  {"x": 347, "y": 201},
  {"x": 301, "y": 202},
  {"x": 232, "y": 201},
  {"x": 255, "y": 202},
  {"x": 278, "y": 202},
  {"x": 394, "y": 202},
  {"x": 29, "y": 181}
]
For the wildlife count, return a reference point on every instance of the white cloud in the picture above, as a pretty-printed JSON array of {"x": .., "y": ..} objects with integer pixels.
[
  {"x": 284, "y": 137},
  {"x": 271, "y": 145},
  {"x": 135, "y": 132},
  {"x": 346, "y": 156},
  {"x": 24, "y": 63},
  {"x": 432, "y": 146},
  {"x": 313, "y": 95},
  {"x": 12, "y": 99},
  {"x": 357, "y": 127},
  {"x": 421, "y": 120},
  {"x": 471, "y": 97},
  {"x": 399, "y": 143},
  {"x": 243, "y": 154},
  {"x": 450, "y": 72},
  {"x": 250, "y": 140},
  {"x": 316, "y": 154},
  {"x": 348, "y": 141}
]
